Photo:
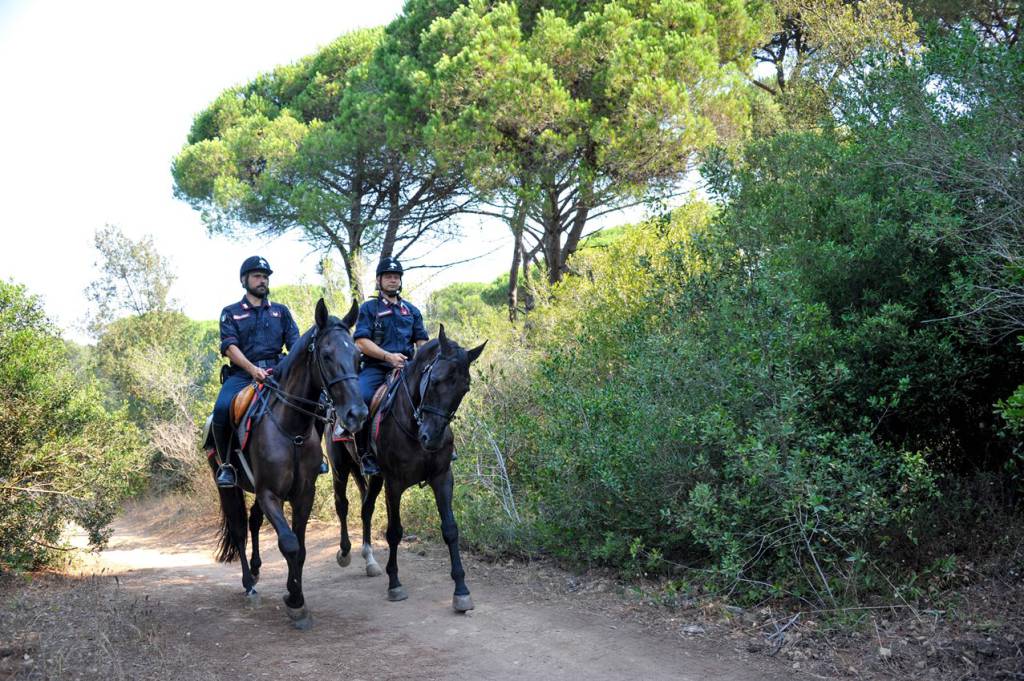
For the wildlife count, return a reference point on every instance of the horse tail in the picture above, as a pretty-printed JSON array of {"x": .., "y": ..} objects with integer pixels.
[{"x": 226, "y": 549}]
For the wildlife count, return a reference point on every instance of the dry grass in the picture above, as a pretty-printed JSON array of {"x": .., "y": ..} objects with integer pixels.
[{"x": 60, "y": 627}]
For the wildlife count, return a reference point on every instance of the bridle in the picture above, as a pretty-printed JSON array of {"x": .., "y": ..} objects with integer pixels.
[
  {"x": 296, "y": 401},
  {"x": 327, "y": 383},
  {"x": 419, "y": 409}
]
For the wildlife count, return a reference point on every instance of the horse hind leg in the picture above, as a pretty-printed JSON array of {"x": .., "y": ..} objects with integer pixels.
[
  {"x": 366, "y": 513},
  {"x": 233, "y": 529},
  {"x": 255, "y": 523}
]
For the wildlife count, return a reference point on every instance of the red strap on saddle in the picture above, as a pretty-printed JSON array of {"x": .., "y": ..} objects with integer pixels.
[{"x": 375, "y": 431}]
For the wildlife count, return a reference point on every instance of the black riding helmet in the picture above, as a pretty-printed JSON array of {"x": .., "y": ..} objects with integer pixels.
[
  {"x": 255, "y": 263},
  {"x": 389, "y": 266}
]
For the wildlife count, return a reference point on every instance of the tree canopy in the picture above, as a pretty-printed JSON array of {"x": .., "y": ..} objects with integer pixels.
[{"x": 310, "y": 147}]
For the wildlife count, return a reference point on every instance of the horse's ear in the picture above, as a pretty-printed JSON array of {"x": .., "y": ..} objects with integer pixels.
[
  {"x": 353, "y": 314},
  {"x": 443, "y": 341},
  {"x": 321, "y": 313},
  {"x": 475, "y": 352}
]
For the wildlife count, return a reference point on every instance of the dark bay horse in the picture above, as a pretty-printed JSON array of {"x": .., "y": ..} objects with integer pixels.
[
  {"x": 284, "y": 451},
  {"x": 415, "y": 446}
]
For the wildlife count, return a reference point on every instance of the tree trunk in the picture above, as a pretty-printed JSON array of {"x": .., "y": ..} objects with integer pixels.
[
  {"x": 518, "y": 221},
  {"x": 579, "y": 222},
  {"x": 387, "y": 248},
  {"x": 353, "y": 261},
  {"x": 552, "y": 235}
]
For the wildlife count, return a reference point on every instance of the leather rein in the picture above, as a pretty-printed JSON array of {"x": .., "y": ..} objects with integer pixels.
[{"x": 296, "y": 401}]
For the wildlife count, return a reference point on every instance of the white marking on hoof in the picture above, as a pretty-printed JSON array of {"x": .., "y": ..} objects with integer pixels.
[
  {"x": 344, "y": 560},
  {"x": 462, "y": 603},
  {"x": 397, "y": 594},
  {"x": 372, "y": 568}
]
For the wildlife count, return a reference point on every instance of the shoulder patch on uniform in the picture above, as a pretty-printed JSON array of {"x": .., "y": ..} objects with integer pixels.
[{"x": 224, "y": 317}]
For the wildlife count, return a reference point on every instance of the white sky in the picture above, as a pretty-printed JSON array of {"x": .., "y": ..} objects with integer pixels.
[{"x": 96, "y": 98}]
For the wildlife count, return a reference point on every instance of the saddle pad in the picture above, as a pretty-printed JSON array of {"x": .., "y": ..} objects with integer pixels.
[{"x": 378, "y": 397}]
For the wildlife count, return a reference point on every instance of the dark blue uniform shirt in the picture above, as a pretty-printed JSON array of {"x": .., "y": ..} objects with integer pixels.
[
  {"x": 259, "y": 332},
  {"x": 393, "y": 327}
]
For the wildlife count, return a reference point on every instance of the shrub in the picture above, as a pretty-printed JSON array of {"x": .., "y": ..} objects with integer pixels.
[{"x": 63, "y": 456}]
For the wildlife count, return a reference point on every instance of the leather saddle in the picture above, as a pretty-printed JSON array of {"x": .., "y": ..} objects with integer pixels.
[
  {"x": 380, "y": 404},
  {"x": 246, "y": 410},
  {"x": 241, "y": 403}
]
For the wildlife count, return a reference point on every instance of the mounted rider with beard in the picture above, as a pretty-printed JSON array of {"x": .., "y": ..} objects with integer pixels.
[{"x": 252, "y": 333}]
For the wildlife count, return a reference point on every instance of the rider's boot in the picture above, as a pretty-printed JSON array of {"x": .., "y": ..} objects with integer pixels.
[
  {"x": 225, "y": 476},
  {"x": 324, "y": 468},
  {"x": 368, "y": 463}
]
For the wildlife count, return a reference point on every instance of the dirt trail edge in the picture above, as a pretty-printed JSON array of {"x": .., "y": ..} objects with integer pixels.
[{"x": 515, "y": 632}]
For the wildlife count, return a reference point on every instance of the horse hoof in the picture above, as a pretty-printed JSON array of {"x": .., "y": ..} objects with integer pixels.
[
  {"x": 344, "y": 559},
  {"x": 462, "y": 603},
  {"x": 252, "y": 600},
  {"x": 373, "y": 570},
  {"x": 300, "y": 617},
  {"x": 397, "y": 594}
]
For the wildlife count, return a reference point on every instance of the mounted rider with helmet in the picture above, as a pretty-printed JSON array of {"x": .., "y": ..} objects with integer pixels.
[
  {"x": 252, "y": 333},
  {"x": 388, "y": 331}
]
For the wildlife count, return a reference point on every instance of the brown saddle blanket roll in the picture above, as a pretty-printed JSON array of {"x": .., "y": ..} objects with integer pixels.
[{"x": 241, "y": 403}]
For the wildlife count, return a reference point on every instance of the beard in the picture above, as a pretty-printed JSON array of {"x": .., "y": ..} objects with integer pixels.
[{"x": 259, "y": 291}]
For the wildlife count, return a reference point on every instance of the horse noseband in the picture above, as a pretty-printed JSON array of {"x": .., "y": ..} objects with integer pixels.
[{"x": 418, "y": 410}]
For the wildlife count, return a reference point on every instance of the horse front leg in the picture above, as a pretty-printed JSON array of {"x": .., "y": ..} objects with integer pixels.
[
  {"x": 393, "y": 497},
  {"x": 290, "y": 546},
  {"x": 341, "y": 465},
  {"x": 443, "y": 486},
  {"x": 366, "y": 512},
  {"x": 302, "y": 506},
  {"x": 255, "y": 523}
]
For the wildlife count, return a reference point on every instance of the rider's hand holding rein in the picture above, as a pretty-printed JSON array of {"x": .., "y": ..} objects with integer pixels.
[{"x": 239, "y": 359}]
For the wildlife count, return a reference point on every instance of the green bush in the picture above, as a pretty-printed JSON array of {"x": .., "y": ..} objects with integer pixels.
[
  {"x": 63, "y": 456},
  {"x": 782, "y": 393}
]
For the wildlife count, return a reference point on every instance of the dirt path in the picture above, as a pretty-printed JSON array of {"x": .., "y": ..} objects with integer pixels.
[{"x": 517, "y": 631}]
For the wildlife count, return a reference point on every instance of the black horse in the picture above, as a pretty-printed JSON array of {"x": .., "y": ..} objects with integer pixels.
[
  {"x": 284, "y": 451},
  {"x": 415, "y": 446}
]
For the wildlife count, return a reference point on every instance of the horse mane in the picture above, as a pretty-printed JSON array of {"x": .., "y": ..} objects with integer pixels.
[
  {"x": 299, "y": 349},
  {"x": 429, "y": 350}
]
